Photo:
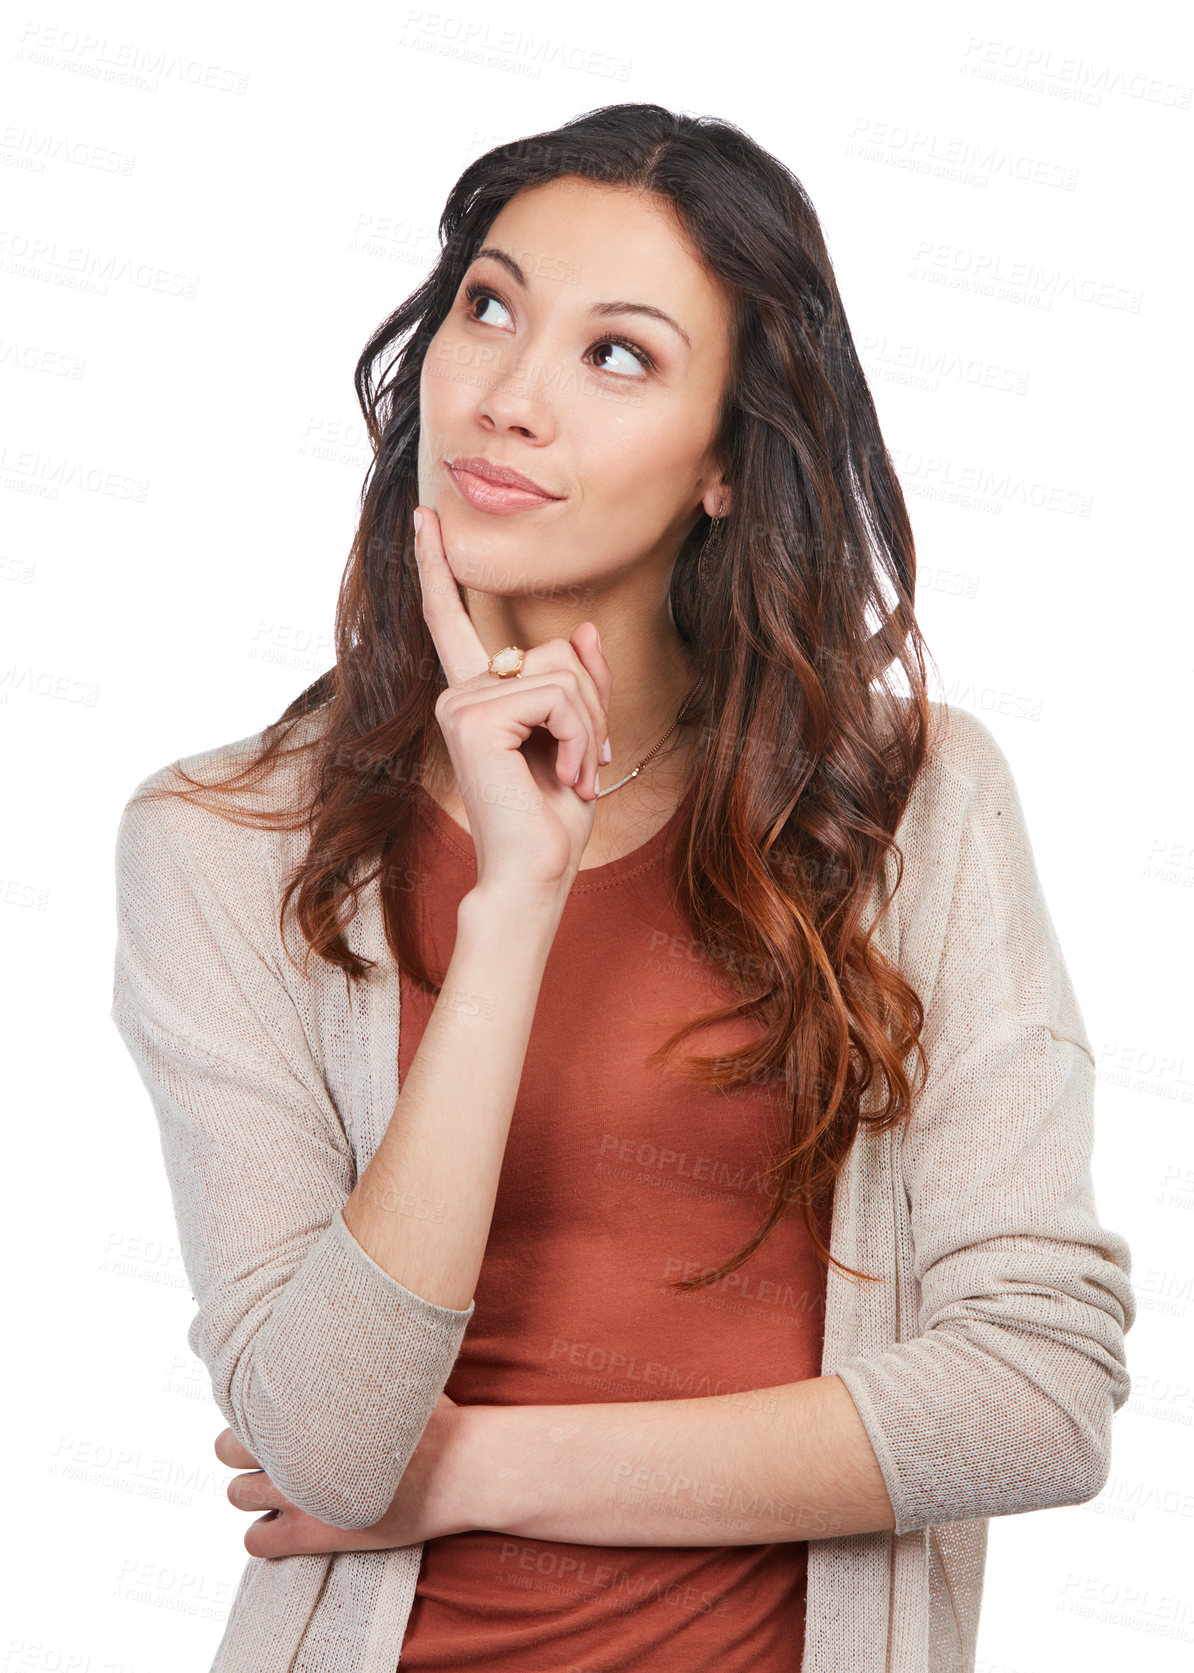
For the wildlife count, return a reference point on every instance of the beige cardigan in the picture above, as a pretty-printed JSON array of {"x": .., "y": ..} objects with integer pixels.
[{"x": 986, "y": 1367}]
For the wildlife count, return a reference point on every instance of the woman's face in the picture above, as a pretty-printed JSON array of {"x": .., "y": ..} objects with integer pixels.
[{"x": 610, "y": 409}]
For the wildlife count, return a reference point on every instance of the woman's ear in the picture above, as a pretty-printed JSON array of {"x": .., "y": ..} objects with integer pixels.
[{"x": 716, "y": 502}]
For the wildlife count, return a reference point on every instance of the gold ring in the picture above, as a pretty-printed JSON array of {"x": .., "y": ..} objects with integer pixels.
[{"x": 507, "y": 664}]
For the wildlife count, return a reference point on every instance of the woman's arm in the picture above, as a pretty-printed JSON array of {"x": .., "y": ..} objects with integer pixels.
[
  {"x": 326, "y": 1355},
  {"x": 785, "y": 1463},
  {"x": 1001, "y": 1398},
  {"x": 319, "y": 1316},
  {"x": 325, "y": 1366},
  {"x": 447, "y": 1136},
  {"x": 446, "y": 1139}
]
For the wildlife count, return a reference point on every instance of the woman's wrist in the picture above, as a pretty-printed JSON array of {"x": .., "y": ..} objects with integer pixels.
[
  {"x": 481, "y": 1483},
  {"x": 527, "y": 911}
]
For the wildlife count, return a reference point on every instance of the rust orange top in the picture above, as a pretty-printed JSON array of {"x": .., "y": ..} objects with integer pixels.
[{"x": 617, "y": 1179}]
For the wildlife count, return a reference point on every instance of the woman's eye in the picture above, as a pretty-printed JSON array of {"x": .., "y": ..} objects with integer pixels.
[
  {"x": 486, "y": 298},
  {"x": 637, "y": 365},
  {"x": 640, "y": 361}
]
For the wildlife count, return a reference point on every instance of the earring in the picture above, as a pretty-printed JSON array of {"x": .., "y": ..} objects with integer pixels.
[{"x": 715, "y": 524}]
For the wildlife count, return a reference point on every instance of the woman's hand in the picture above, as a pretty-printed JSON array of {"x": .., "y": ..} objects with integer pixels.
[
  {"x": 518, "y": 746},
  {"x": 429, "y": 1501}
]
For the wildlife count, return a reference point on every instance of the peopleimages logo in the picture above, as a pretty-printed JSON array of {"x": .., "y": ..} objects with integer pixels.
[
  {"x": 953, "y": 156},
  {"x": 77, "y": 268},
  {"x": 129, "y": 63},
  {"x": 991, "y": 273},
  {"x": 1038, "y": 70}
]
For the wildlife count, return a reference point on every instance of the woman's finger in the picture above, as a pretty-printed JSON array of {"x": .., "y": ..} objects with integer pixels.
[
  {"x": 255, "y": 1491},
  {"x": 230, "y": 1451},
  {"x": 284, "y": 1534},
  {"x": 548, "y": 700},
  {"x": 292, "y": 1533},
  {"x": 267, "y": 1538},
  {"x": 461, "y": 652},
  {"x": 591, "y": 680},
  {"x": 555, "y": 664},
  {"x": 586, "y": 643}
]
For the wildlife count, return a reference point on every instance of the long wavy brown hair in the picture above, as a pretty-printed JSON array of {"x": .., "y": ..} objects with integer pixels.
[{"x": 796, "y": 610}]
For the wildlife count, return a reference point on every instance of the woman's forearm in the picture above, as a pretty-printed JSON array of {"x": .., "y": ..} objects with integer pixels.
[
  {"x": 784, "y": 1463},
  {"x": 423, "y": 1206}
]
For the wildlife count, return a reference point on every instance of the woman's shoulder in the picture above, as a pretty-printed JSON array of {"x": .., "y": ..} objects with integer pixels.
[
  {"x": 203, "y": 803},
  {"x": 967, "y": 851},
  {"x": 964, "y": 771},
  {"x": 964, "y": 800},
  {"x": 963, "y": 745}
]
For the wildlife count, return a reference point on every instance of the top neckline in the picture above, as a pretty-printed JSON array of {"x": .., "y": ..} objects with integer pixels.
[{"x": 591, "y": 878}]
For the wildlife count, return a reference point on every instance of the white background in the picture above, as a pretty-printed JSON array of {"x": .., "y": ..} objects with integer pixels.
[{"x": 1002, "y": 190}]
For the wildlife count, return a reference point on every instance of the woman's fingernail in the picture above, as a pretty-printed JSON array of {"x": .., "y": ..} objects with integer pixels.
[
  {"x": 597, "y": 784},
  {"x": 598, "y": 638},
  {"x": 418, "y": 521},
  {"x": 607, "y": 753}
]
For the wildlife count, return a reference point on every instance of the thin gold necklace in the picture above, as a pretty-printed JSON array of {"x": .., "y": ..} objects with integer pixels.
[{"x": 658, "y": 746}]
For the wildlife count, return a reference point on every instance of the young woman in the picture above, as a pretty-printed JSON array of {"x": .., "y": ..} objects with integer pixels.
[{"x": 541, "y": 1342}]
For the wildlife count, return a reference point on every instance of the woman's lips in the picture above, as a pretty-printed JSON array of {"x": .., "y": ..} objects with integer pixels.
[{"x": 493, "y": 496}]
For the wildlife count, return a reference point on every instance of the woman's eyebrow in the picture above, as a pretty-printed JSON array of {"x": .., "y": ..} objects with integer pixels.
[{"x": 602, "y": 308}]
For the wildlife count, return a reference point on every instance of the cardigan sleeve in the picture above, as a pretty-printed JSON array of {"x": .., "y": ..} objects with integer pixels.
[
  {"x": 325, "y": 1367},
  {"x": 1003, "y": 1401}
]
